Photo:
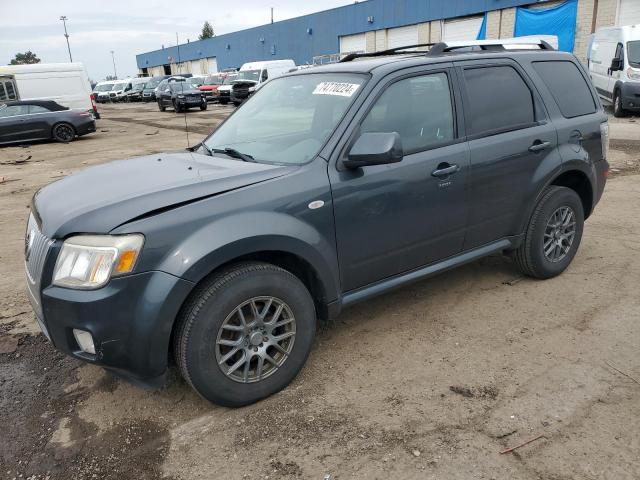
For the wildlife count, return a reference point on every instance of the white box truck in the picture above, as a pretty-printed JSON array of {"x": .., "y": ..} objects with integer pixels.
[
  {"x": 253, "y": 75},
  {"x": 65, "y": 83},
  {"x": 614, "y": 67}
]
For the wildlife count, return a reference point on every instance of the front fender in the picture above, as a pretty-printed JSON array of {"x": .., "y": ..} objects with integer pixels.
[{"x": 252, "y": 232}]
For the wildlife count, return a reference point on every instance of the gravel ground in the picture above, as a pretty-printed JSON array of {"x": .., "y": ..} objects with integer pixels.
[{"x": 431, "y": 381}]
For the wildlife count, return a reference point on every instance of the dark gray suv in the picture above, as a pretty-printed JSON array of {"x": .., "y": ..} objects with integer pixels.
[{"x": 327, "y": 187}]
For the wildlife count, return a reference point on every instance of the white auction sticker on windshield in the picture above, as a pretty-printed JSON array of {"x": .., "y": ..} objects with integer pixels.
[{"x": 336, "y": 88}]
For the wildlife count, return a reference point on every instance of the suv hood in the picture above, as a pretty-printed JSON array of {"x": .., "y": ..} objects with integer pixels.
[{"x": 101, "y": 198}]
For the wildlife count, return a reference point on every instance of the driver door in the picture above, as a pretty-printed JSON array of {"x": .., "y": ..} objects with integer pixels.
[{"x": 398, "y": 217}]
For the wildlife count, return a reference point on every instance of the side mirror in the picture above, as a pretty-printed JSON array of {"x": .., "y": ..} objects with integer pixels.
[
  {"x": 616, "y": 64},
  {"x": 375, "y": 149}
]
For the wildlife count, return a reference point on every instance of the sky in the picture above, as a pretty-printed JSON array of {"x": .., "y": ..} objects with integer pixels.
[{"x": 128, "y": 27}]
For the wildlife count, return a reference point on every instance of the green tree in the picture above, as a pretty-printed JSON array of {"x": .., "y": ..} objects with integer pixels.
[
  {"x": 25, "y": 58},
  {"x": 207, "y": 31}
]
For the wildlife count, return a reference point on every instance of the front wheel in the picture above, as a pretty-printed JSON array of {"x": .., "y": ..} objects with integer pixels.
[
  {"x": 618, "y": 110},
  {"x": 553, "y": 235},
  {"x": 245, "y": 333},
  {"x": 161, "y": 107},
  {"x": 203, "y": 106},
  {"x": 176, "y": 107}
]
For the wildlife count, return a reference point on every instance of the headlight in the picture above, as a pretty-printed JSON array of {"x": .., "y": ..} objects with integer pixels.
[
  {"x": 252, "y": 89},
  {"x": 89, "y": 261},
  {"x": 180, "y": 96},
  {"x": 633, "y": 74}
]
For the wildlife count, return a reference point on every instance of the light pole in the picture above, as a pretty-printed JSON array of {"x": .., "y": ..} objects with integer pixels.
[
  {"x": 113, "y": 58},
  {"x": 66, "y": 35}
]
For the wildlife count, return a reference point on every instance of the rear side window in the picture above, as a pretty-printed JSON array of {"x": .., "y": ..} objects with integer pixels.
[
  {"x": 568, "y": 87},
  {"x": 498, "y": 100},
  {"x": 37, "y": 109}
]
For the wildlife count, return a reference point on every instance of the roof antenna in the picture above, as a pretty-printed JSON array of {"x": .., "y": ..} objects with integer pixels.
[{"x": 186, "y": 126}]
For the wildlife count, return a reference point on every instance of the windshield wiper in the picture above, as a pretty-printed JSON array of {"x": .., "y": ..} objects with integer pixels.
[{"x": 232, "y": 152}]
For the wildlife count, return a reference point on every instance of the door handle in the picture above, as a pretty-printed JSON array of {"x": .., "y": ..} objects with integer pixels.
[
  {"x": 539, "y": 145},
  {"x": 444, "y": 170}
]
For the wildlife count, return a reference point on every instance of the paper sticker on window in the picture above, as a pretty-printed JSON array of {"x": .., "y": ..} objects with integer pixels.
[{"x": 336, "y": 88}]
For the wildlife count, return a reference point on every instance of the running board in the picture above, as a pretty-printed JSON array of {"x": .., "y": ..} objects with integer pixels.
[{"x": 413, "y": 276}]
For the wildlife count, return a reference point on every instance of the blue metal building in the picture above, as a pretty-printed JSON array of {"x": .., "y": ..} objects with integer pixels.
[{"x": 309, "y": 36}]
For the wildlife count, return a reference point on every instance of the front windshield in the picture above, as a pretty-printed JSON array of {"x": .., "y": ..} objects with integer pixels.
[
  {"x": 153, "y": 83},
  {"x": 104, "y": 88},
  {"x": 213, "y": 80},
  {"x": 138, "y": 86},
  {"x": 229, "y": 79},
  {"x": 249, "y": 75},
  {"x": 633, "y": 50},
  {"x": 180, "y": 86},
  {"x": 118, "y": 86},
  {"x": 289, "y": 119}
]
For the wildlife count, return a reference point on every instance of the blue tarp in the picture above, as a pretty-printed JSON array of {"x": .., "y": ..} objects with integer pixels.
[
  {"x": 482, "y": 34},
  {"x": 559, "y": 21}
]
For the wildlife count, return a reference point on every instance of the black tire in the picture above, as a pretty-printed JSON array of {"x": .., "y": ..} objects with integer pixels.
[
  {"x": 203, "y": 106},
  {"x": 618, "y": 111},
  {"x": 176, "y": 107},
  {"x": 530, "y": 256},
  {"x": 161, "y": 107},
  {"x": 212, "y": 303},
  {"x": 237, "y": 104},
  {"x": 223, "y": 102},
  {"x": 63, "y": 132}
]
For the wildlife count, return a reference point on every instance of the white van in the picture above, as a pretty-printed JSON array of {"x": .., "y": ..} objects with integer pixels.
[
  {"x": 65, "y": 83},
  {"x": 120, "y": 89},
  {"x": 614, "y": 66},
  {"x": 253, "y": 75},
  {"x": 102, "y": 89}
]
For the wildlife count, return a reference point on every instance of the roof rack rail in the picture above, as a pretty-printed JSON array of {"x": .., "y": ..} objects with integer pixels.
[
  {"x": 444, "y": 47},
  {"x": 389, "y": 51}
]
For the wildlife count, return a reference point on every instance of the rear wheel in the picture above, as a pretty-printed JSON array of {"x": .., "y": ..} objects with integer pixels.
[
  {"x": 176, "y": 107},
  {"x": 553, "y": 235},
  {"x": 245, "y": 333},
  {"x": 64, "y": 132},
  {"x": 161, "y": 106},
  {"x": 618, "y": 110}
]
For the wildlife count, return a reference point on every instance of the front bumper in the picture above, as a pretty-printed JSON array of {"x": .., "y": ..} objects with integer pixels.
[
  {"x": 130, "y": 319},
  {"x": 630, "y": 96}
]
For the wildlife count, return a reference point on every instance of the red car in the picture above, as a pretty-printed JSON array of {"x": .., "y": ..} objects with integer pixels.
[{"x": 211, "y": 84}]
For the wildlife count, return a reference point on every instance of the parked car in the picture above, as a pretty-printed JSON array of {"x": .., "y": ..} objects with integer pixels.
[
  {"x": 134, "y": 94},
  {"x": 196, "y": 81},
  {"x": 65, "y": 83},
  {"x": 252, "y": 75},
  {"x": 149, "y": 90},
  {"x": 614, "y": 65},
  {"x": 30, "y": 120},
  {"x": 101, "y": 91},
  {"x": 212, "y": 84},
  {"x": 180, "y": 96},
  {"x": 329, "y": 186}
]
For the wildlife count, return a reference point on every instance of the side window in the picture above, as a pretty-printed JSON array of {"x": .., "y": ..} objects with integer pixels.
[
  {"x": 10, "y": 90},
  {"x": 568, "y": 87},
  {"x": 37, "y": 109},
  {"x": 3, "y": 93},
  {"x": 419, "y": 109},
  {"x": 619, "y": 51},
  {"x": 265, "y": 76},
  {"x": 13, "y": 110},
  {"x": 498, "y": 100}
]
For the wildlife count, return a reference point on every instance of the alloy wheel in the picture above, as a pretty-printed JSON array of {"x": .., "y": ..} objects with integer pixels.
[
  {"x": 64, "y": 133},
  {"x": 559, "y": 234},
  {"x": 255, "y": 339}
]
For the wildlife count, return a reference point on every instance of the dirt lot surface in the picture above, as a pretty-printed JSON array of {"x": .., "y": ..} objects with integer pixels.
[{"x": 430, "y": 382}]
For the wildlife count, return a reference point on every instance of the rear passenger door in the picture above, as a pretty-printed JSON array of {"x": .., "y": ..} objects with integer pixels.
[{"x": 510, "y": 141}]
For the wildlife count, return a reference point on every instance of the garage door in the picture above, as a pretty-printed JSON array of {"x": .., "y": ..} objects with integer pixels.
[
  {"x": 402, "y": 36},
  {"x": 212, "y": 65},
  {"x": 462, "y": 29},
  {"x": 629, "y": 12},
  {"x": 353, "y": 43}
]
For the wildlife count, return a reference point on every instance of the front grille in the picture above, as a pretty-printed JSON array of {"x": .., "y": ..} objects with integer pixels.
[{"x": 36, "y": 248}]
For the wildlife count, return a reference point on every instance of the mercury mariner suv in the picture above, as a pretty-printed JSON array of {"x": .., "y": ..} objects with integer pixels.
[{"x": 328, "y": 186}]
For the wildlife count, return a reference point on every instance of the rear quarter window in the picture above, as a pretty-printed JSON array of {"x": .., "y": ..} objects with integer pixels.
[{"x": 568, "y": 87}]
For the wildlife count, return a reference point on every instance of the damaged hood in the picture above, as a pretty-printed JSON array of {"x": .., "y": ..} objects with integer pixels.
[{"x": 101, "y": 198}]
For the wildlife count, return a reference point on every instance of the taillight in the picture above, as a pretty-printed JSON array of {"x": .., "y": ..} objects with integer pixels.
[
  {"x": 604, "y": 139},
  {"x": 93, "y": 104}
]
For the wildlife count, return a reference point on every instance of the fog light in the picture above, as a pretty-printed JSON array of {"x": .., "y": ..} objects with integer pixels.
[{"x": 85, "y": 341}]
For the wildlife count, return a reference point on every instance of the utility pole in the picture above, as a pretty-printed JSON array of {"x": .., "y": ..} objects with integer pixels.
[
  {"x": 113, "y": 58},
  {"x": 271, "y": 14},
  {"x": 66, "y": 35}
]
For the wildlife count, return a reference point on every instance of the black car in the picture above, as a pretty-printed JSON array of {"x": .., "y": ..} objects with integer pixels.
[
  {"x": 27, "y": 121},
  {"x": 180, "y": 96},
  {"x": 149, "y": 90},
  {"x": 327, "y": 187}
]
